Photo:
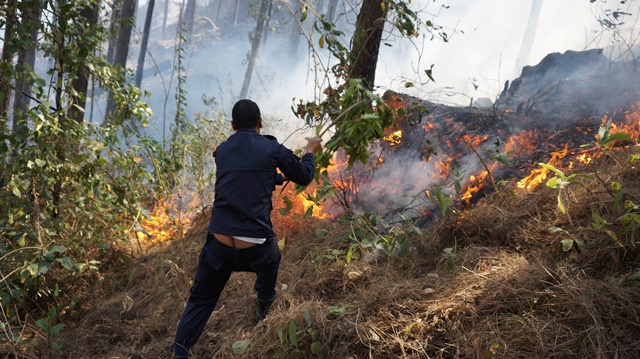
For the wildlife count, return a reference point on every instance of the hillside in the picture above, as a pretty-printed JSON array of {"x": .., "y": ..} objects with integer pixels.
[{"x": 491, "y": 281}]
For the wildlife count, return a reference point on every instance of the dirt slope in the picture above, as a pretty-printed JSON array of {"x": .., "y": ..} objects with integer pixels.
[{"x": 492, "y": 282}]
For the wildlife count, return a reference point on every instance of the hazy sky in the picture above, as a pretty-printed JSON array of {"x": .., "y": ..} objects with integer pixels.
[
  {"x": 488, "y": 38},
  {"x": 485, "y": 40}
]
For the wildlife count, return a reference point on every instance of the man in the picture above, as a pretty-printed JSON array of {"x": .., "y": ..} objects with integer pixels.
[{"x": 240, "y": 235}]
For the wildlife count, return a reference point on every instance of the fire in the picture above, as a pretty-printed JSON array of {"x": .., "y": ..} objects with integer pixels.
[
  {"x": 473, "y": 186},
  {"x": 475, "y": 141},
  {"x": 584, "y": 158},
  {"x": 538, "y": 175},
  {"x": 160, "y": 226},
  {"x": 429, "y": 126},
  {"x": 443, "y": 167},
  {"x": 523, "y": 143},
  {"x": 393, "y": 139},
  {"x": 317, "y": 211}
]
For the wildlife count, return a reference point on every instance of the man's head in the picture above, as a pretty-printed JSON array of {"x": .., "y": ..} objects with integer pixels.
[{"x": 245, "y": 114}]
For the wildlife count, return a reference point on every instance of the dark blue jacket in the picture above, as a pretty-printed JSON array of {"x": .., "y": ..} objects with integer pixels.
[{"x": 245, "y": 179}]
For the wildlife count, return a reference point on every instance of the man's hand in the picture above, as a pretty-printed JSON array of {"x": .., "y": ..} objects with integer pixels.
[{"x": 314, "y": 144}]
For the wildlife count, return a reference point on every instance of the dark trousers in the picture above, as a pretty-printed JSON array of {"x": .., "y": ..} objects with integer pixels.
[{"x": 217, "y": 262}]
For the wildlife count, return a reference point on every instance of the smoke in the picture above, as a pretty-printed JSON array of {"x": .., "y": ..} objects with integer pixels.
[{"x": 485, "y": 38}]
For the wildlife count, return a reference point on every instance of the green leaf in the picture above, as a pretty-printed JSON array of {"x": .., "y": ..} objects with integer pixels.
[
  {"x": 321, "y": 42},
  {"x": 55, "y": 330},
  {"x": 40, "y": 162},
  {"x": 15, "y": 190},
  {"x": 549, "y": 167},
  {"x": 620, "y": 137},
  {"x": 43, "y": 267},
  {"x": 241, "y": 346},
  {"x": 281, "y": 335},
  {"x": 58, "y": 249},
  {"x": 293, "y": 333},
  {"x": 43, "y": 324},
  {"x": 316, "y": 348},
  {"x": 442, "y": 201},
  {"x": 567, "y": 244},
  {"x": 307, "y": 317},
  {"x": 66, "y": 262},
  {"x": 21, "y": 241},
  {"x": 52, "y": 313},
  {"x": 553, "y": 182},
  {"x": 555, "y": 229},
  {"x": 33, "y": 269}
]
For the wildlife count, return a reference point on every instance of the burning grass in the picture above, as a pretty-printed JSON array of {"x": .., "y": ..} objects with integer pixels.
[{"x": 491, "y": 282}]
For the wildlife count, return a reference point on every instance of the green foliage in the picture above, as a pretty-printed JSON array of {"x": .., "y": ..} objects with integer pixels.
[
  {"x": 568, "y": 241},
  {"x": 299, "y": 342},
  {"x": 632, "y": 280},
  {"x": 561, "y": 182},
  {"x": 448, "y": 259},
  {"x": 623, "y": 229},
  {"x": 367, "y": 232},
  {"x": 51, "y": 330},
  {"x": 73, "y": 192}
]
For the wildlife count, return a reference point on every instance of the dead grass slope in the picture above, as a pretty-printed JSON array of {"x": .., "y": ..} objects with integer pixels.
[{"x": 508, "y": 290}]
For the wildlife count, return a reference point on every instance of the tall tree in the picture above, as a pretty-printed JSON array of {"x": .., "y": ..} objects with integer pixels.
[
  {"x": 78, "y": 99},
  {"x": 529, "y": 34},
  {"x": 296, "y": 28},
  {"x": 121, "y": 52},
  {"x": 366, "y": 40},
  {"x": 116, "y": 8},
  {"x": 255, "y": 47},
  {"x": 30, "y": 14},
  {"x": 164, "y": 16},
  {"x": 6, "y": 63},
  {"x": 189, "y": 18},
  {"x": 145, "y": 41}
]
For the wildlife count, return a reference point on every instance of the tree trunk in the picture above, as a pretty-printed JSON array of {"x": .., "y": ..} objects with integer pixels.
[
  {"x": 145, "y": 41},
  {"x": 266, "y": 33},
  {"x": 166, "y": 13},
  {"x": 218, "y": 12},
  {"x": 529, "y": 35},
  {"x": 189, "y": 18},
  {"x": 122, "y": 44},
  {"x": 366, "y": 41},
  {"x": 294, "y": 37},
  {"x": 116, "y": 8},
  {"x": 6, "y": 63},
  {"x": 255, "y": 46},
  {"x": 80, "y": 84},
  {"x": 235, "y": 16},
  {"x": 26, "y": 59}
]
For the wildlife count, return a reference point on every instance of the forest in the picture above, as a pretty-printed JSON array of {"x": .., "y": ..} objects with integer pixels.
[{"x": 505, "y": 229}]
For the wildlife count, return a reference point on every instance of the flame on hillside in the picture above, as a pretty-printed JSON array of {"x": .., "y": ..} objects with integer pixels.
[
  {"x": 161, "y": 225},
  {"x": 394, "y": 138}
]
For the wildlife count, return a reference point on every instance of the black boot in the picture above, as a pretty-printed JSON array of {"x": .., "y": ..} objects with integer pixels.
[{"x": 263, "y": 308}]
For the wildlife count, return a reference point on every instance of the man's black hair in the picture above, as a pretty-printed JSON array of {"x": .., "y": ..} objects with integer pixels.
[{"x": 245, "y": 114}]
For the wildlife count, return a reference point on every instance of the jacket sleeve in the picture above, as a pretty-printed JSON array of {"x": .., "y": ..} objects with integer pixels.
[{"x": 298, "y": 170}]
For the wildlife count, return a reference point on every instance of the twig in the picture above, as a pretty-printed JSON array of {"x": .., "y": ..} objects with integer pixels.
[{"x": 495, "y": 188}]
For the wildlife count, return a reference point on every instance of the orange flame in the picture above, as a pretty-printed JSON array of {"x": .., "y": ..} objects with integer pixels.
[
  {"x": 394, "y": 138},
  {"x": 540, "y": 174},
  {"x": 160, "y": 226},
  {"x": 473, "y": 186}
]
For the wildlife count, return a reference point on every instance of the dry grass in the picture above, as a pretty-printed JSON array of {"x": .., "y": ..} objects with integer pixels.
[{"x": 506, "y": 291}]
